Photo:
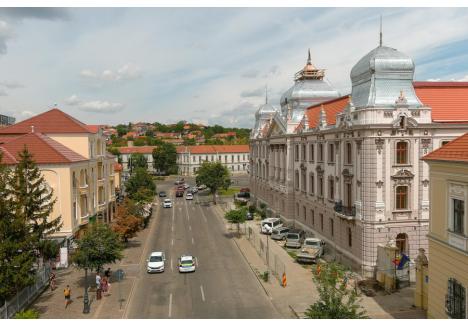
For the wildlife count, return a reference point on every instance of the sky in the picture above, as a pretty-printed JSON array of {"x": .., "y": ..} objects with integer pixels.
[{"x": 203, "y": 65}]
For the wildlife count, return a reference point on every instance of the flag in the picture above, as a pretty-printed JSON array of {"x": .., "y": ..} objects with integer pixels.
[{"x": 403, "y": 260}]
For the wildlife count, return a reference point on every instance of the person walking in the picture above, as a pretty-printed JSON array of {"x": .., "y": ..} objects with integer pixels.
[
  {"x": 98, "y": 287},
  {"x": 107, "y": 273},
  {"x": 67, "y": 294},
  {"x": 52, "y": 284}
]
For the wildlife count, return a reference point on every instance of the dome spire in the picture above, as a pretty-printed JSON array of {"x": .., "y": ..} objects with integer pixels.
[
  {"x": 380, "y": 41},
  {"x": 266, "y": 94},
  {"x": 309, "y": 60}
]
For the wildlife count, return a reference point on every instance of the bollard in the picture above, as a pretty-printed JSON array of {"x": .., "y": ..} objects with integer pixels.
[{"x": 284, "y": 282}]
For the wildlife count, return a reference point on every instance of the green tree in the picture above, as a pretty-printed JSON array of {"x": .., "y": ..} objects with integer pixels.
[
  {"x": 33, "y": 199},
  {"x": 138, "y": 160},
  {"x": 49, "y": 249},
  {"x": 121, "y": 130},
  {"x": 98, "y": 246},
  {"x": 140, "y": 179},
  {"x": 165, "y": 158},
  {"x": 17, "y": 247},
  {"x": 215, "y": 176},
  {"x": 139, "y": 142},
  {"x": 236, "y": 216},
  {"x": 336, "y": 300},
  {"x": 189, "y": 142}
]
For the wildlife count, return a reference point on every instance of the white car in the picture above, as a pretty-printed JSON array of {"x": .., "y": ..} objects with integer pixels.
[
  {"x": 155, "y": 262},
  {"x": 189, "y": 196},
  {"x": 194, "y": 190},
  {"x": 186, "y": 264},
  {"x": 167, "y": 203},
  {"x": 186, "y": 186}
]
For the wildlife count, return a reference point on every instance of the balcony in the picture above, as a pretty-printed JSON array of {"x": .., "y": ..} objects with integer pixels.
[
  {"x": 83, "y": 189},
  {"x": 101, "y": 206},
  {"x": 84, "y": 219},
  {"x": 346, "y": 212}
]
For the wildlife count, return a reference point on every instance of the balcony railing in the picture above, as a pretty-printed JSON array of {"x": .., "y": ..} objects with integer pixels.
[{"x": 349, "y": 211}]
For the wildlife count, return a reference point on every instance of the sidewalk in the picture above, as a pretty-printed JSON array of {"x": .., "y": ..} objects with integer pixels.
[
  {"x": 301, "y": 292},
  {"x": 51, "y": 305}
]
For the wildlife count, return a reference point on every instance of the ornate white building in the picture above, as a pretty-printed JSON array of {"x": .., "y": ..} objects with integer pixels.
[{"x": 348, "y": 168}]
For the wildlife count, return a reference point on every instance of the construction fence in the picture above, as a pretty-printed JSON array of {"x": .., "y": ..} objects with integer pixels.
[
  {"x": 261, "y": 244},
  {"x": 26, "y": 296}
]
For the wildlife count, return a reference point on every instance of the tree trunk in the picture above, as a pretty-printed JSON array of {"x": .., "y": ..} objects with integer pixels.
[{"x": 214, "y": 197}]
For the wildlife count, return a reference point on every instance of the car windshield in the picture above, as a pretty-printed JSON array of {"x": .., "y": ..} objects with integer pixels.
[
  {"x": 167, "y": 200},
  {"x": 186, "y": 262},
  {"x": 312, "y": 243},
  {"x": 293, "y": 236},
  {"x": 276, "y": 231},
  {"x": 155, "y": 259}
]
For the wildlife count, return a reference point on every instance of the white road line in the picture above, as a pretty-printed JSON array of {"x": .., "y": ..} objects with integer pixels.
[
  {"x": 196, "y": 261},
  {"x": 170, "y": 305},
  {"x": 193, "y": 241},
  {"x": 202, "y": 293},
  {"x": 172, "y": 269},
  {"x": 172, "y": 242},
  {"x": 190, "y": 227},
  {"x": 172, "y": 228}
]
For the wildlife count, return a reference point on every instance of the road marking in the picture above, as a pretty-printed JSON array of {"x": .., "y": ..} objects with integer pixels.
[
  {"x": 172, "y": 242},
  {"x": 170, "y": 305},
  {"x": 202, "y": 293},
  {"x": 172, "y": 228},
  {"x": 190, "y": 227},
  {"x": 193, "y": 241},
  {"x": 196, "y": 261},
  {"x": 172, "y": 269}
]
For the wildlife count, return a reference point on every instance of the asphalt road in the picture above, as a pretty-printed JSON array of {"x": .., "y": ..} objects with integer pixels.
[{"x": 223, "y": 285}]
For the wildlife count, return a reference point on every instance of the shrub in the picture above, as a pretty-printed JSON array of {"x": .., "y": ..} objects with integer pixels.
[{"x": 27, "y": 314}]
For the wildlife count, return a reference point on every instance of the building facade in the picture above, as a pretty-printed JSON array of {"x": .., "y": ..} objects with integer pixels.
[
  {"x": 348, "y": 168},
  {"x": 448, "y": 231},
  {"x": 73, "y": 160},
  {"x": 235, "y": 157},
  {"x": 125, "y": 154},
  {"x": 6, "y": 120}
]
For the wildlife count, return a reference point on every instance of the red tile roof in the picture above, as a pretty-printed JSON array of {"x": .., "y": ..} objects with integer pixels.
[
  {"x": 448, "y": 100},
  {"x": 52, "y": 121},
  {"x": 456, "y": 150},
  {"x": 331, "y": 108},
  {"x": 136, "y": 149},
  {"x": 213, "y": 149},
  {"x": 117, "y": 167},
  {"x": 44, "y": 150},
  {"x": 94, "y": 129}
]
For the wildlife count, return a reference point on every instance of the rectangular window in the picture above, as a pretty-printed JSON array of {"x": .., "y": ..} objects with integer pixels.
[
  {"x": 320, "y": 152},
  {"x": 311, "y": 152},
  {"x": 331, "y": 153},
  {"x": 350, "y": 237},
  {"x": 331, "y": 189},
  {"x": 312, "y": 214},
  {"x": 311, "y": 183},
  {"x": 455, "y": 300},
  {"x": 332, "y": 227},
  {"x": 303, "y": 156},
  {"x": 320, "y": 185},
  {"x": 458, "y": 216},
  {"x": 349, "y": 153},
  {"x": 321, "y": 222},
  {"x": 296, "y": 153},
  {"x": 402, "y": 197},
  {"x": 296, "y": 180},
  {"x": 402, "y": 152}
]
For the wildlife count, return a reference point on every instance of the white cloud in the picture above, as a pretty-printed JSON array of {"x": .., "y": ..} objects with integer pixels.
[
  {"x": 463, "y": 79},
  {"x": 128, "y": 71},
  {"x": 96, "y": 106},
  {"x": 3, "y": 93},
  {"x": 11, "y": 84},
  {"x": 26, "y": 114},
  {"x": 6, "y": 33},
  {"x": 254, "y": 92}
]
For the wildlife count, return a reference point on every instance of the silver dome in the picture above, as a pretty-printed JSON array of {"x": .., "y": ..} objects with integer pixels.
[{"x": 380, "y": 76}]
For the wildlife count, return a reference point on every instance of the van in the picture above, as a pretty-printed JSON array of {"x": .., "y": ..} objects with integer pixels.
[
  {"x": 294, "y": 239},
  {"x": 269, "y": 224},
  {"x": 279, "y": 233}
]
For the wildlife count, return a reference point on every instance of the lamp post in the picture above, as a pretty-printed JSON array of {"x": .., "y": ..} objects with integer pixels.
[{"x": 86, "y": 297}]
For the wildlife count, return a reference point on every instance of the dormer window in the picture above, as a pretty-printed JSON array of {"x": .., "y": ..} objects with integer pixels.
[{"x": 402, "y": 152}]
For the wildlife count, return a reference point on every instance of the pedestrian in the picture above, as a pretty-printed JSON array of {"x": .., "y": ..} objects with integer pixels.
[
  {"x": 98, "y": 286},
  {"x": 67, "y": 294},
  {"x": 52, "y": 281},
  {"x": 107, "y": 273},
  {"x": 104, "y": 285}
]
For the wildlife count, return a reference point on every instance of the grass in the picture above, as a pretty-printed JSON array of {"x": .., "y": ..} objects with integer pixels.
[
  {"x": 229, "y": 192},
  {"x": 293, "y": 254}
]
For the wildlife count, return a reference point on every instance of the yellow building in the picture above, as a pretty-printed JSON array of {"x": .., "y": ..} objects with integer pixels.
[
  {"x": 448, "y": 232},
  {"x": 73, "y": 160}
]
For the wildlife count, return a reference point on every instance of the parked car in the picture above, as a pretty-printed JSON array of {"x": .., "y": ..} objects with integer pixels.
[
  {"x": 186, "y": 186},
  {"x": 186, "y": 264},
  {"x": 179, "y": 193},
  {"x": 269, "y": 224},
  {"x": 167, "y": 203},
  {"x": 179, "y": 182},
  {"x": 312, "y": 250},
  {"x": 249, "y": 216},
  {"x": 294, "y": 239},
  {"x": 162, "y": 194},
  {"x": 189, "y": 196},
  {"x": 194, "y": 190},
  {"x": 244, "y": 190},
  {"x": 155, "y": 262},
  {"x": 279, "y": 233},
  {"x": 201, "y": 187}
]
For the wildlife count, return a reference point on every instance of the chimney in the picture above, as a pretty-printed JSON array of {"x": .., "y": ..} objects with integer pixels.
[{"x": 32, "y": 129}]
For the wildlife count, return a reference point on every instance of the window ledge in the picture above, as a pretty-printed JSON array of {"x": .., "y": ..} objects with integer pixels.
[
  {"x": 399, "y": 211},
  {"x": 407, "y": 165},
  {"x": 458, "y": 240}
]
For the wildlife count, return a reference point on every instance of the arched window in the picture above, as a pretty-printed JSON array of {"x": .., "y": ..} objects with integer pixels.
[
  {"x": 402, "y": 152},
  {"x": 401, "y": 197}
]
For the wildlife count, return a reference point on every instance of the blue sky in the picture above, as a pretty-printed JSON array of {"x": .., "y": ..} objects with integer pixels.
[{"x": 209, "y": 65}]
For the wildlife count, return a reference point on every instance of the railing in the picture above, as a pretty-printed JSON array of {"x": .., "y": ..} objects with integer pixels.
[
  {"x": 27, "y": 295},
  {"x": 345, "y": 210}
]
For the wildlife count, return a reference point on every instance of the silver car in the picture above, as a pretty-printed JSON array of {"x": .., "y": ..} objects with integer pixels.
[
  {"x": 279, "y": 233},
  {"x": 294, "y": 239}
]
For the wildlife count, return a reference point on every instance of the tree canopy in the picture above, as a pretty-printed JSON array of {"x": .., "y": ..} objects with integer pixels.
[
  {"x": 140, "y": 184},
  {"x": 125, "y": 223},
  {"x": 165, "y": 158},
  {"x": 138, "y": 160},
  {"x": 236, "y": 216},
  {"x": 99, "y": 246},
  {"x": 214, "y": 175},
  {"x": 336, "y": 299}
]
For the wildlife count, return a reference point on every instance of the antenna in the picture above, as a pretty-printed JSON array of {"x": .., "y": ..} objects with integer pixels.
[
  {"x": 380, "y": 43},
  {"x": 266, "y": 94}
]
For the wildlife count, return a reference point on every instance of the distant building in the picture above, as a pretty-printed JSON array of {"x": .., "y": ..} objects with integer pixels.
[
  {"x": 126, "y": 154},
  {"x": 448, "y": 230},
  {"x": 234, "y": 157},
  {"x": 6, "y": 120},
  {"x": 225, "y": 135}
]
